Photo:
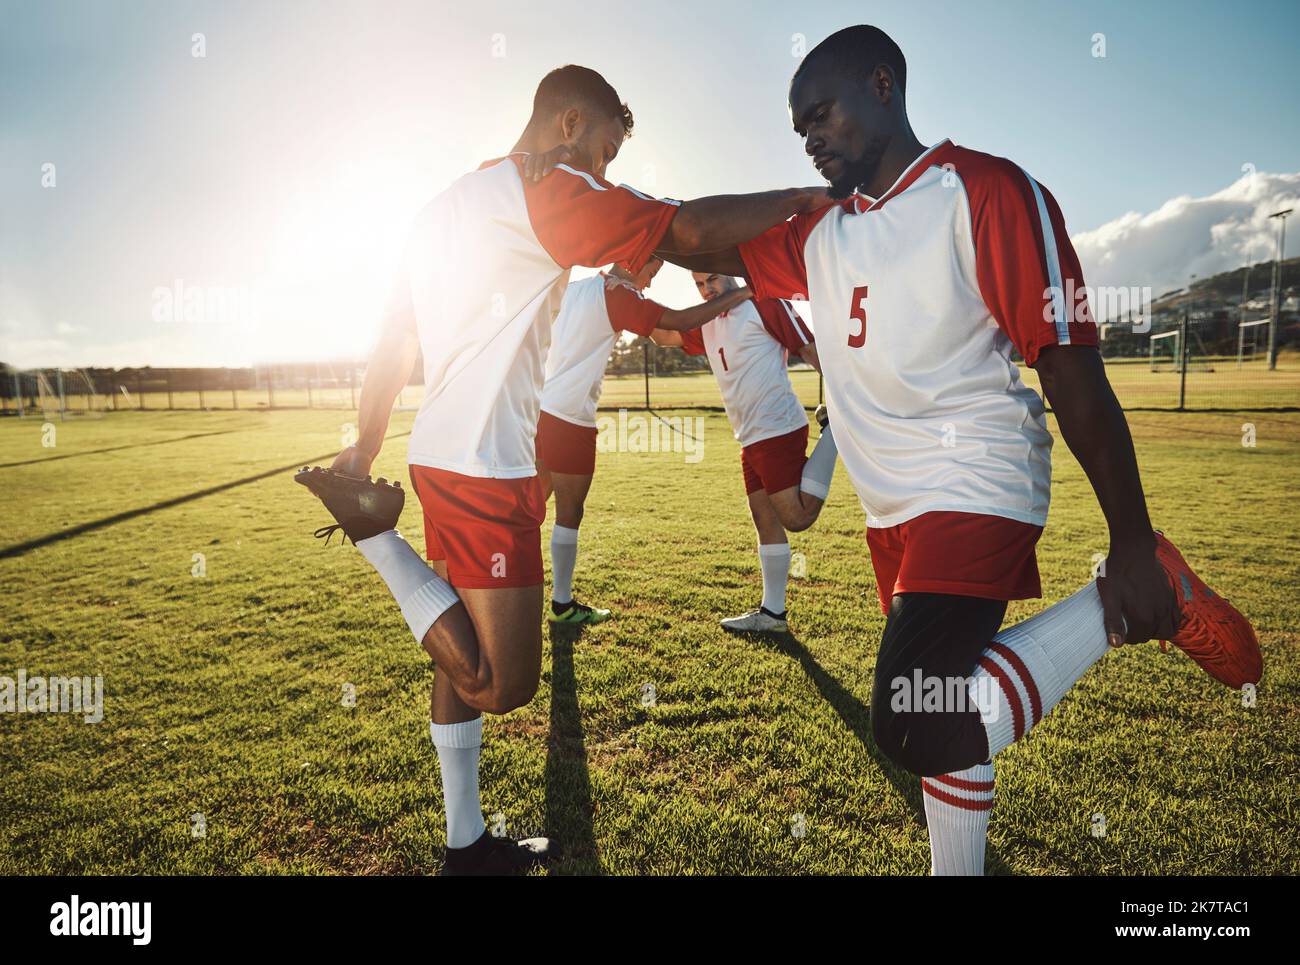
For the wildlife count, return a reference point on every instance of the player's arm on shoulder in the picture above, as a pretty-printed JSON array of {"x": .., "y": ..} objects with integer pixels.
[
  {"x": 724, "y": 262},
  {"x": 684, "y": 319},
  {"x": 1138, "y": 601},
  {"x": 723, "y": 221},
  {"x": 666, "y": 338},
  {"x": 387, "y": 372}
]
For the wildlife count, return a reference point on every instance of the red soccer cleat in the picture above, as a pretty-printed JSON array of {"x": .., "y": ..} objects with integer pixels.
[{"x": 1213, "y": 631}]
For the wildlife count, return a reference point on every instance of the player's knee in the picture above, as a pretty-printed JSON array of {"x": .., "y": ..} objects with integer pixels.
[
  {"x": 507, "y": 695},
  {"x": 888, "y": 733},
  {"x": 918, "y": 742}
]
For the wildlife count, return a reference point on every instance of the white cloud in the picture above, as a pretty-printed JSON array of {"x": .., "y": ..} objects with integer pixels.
[{"x": 1190, "y": 236}]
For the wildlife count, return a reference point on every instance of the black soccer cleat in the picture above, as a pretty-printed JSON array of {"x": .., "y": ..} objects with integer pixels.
[
  {"x": 500, "y": 856},
  {"x": 823, "y": 416},
  {"x": 362, "y": 508}
]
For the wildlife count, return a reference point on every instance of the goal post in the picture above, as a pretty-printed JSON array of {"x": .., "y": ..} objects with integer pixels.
[
  {"x": 1159, "y": 342},
  {"x": 1254, "y": 327}
]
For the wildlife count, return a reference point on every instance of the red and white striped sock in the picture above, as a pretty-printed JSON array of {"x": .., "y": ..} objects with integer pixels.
[
  {"x": 957, "y": 809},
  {"x": 1028, "y": 668}
]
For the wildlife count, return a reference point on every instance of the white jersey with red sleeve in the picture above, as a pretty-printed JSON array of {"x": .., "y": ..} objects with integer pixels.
[
  {"x": 920, "y": 296},
  {"x": 595, "y": 310},
  {"x": 482, "y": 278},
  {"x": 747, "y": 349}
]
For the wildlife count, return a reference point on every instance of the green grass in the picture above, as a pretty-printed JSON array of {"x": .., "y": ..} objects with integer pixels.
[{"x": 223, "y": 693}]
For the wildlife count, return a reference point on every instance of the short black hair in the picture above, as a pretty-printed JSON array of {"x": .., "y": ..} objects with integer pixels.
[
  {"x": 572, "y": 85},
  {"x": 858, "y": 51}
]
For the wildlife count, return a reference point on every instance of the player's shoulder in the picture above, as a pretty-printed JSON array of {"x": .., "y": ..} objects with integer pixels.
[{"x": 984, "y": 174}]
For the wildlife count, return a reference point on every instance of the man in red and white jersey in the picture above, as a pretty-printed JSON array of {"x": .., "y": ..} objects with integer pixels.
[
  {"x": 935, "y": 264},
  {"x": 594, "y": 313},
  {"x": 484, "y": 271},
  {"x": 747, "y": 348}
]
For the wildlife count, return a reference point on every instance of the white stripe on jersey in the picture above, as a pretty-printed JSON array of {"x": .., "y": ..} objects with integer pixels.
[
  {"x": 1053, "y": 265},
  {"x": 648, "y": 197},
  {"x": 595, "y": 185},
  {"x": 795, "y": 320}
]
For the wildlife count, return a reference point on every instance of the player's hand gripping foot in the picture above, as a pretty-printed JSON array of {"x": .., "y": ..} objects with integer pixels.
[
  {"x": 1213, "y": 632},
  {"x": 575, "y": 612},
  {"x": 360, "y": 507},
  {"x": 500, "y": 856},
  {"x": 822, "y": 416},
  {"x": 761, "y": 620}
]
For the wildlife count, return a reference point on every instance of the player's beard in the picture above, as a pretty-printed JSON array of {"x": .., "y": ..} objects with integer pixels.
[{"x": 859, "y": 172}]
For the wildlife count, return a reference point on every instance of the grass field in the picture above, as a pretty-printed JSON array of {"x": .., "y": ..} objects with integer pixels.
[{"x": 224, "y": 693}]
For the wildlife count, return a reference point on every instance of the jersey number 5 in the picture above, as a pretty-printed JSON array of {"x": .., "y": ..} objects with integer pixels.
[{"x": 858, "y": 310}]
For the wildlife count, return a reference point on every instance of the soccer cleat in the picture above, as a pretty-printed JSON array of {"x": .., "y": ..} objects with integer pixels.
[
  {"x": 761, "y": 620},
  {"x": 575, "y": 612},
  {"x": 1213, "y": 632},
  {"x": 822, "y": 416},
  {"x": 360, "y": 507},
  {"x": 500, "y": 856}
]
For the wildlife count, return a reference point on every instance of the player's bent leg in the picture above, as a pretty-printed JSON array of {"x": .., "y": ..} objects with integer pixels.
[
  {"x": 798, "y": 486},
  {"x": 796, "y": 509},
  {"x": 503, "y": 673}
]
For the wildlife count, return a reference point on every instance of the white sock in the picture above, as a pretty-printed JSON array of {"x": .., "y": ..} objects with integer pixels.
[
  {"x": 458, "y": 747},
  {"x": 421, "y": 593},
  {"x": 774, "y": 558},
  {"x": 1028, "y": 668},
  {"x": 564, "y": 557},
  {"x": 957, "y": 809},
  {"x": 820, "y": 466}
]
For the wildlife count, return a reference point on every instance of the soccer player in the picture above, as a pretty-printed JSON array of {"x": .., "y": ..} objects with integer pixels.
[
  {"x": 934, "y": 264},
  {"x": 594, "y": 312},
  {"x": 747, "y": 347},
  {"x": 484, "y": 270}
]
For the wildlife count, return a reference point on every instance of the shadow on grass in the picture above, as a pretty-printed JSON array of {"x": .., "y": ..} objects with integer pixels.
[
  {"x": 857, "y": 717},
  {"x": 18, "y": 549},
  {"x": 96, "y": 452},
  {"x": 570, "y": 812}
]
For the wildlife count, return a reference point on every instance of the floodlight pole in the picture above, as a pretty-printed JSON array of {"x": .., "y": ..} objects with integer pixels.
[{"x": 1277, "y": 286}]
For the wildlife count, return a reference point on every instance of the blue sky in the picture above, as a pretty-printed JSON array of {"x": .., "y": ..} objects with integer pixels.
[{"x": 283, "y": 165}]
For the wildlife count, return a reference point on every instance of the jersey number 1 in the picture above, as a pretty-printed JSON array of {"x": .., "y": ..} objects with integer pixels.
[
  {"x": 858, "y": 310},
  {"x": 723, "y": 355}
]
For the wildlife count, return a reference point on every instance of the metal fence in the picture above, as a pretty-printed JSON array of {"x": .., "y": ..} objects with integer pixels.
[{"x": 1175, "y": 366}]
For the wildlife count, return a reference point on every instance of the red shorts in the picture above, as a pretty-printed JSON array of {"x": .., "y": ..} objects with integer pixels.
[
  {"x": 566, "y": 447},
  {"x": 963, "y": 554},
  {"x": 775, "y": 464},
  {"x": 488, "y": 530}
]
